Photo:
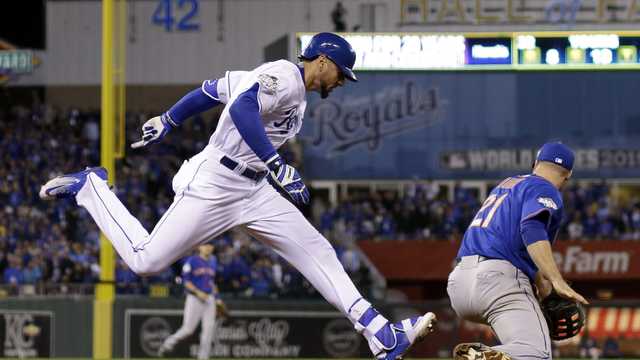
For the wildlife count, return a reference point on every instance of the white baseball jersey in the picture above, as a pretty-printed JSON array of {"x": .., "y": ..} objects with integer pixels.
[
  {"x": 281, "y": 97},
  {"x": 223, "y": 86}
]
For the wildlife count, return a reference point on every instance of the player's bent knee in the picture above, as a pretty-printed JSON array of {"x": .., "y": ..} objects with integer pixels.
[
  {"x": 189, "y": 332},
  {"x": 185, "y": 331},
  {"x": 538, "y": 354},
  {"x": 147, "y": 268}
]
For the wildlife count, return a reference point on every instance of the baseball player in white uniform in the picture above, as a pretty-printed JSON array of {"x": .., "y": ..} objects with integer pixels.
[{"x": 232, "y": 182}]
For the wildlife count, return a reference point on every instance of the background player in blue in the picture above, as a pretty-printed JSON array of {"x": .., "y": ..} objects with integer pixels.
[
  {"x": 505, "y": 250},
  {"x": 198, "y": 272},
  {"x": 232, "y": 183}
]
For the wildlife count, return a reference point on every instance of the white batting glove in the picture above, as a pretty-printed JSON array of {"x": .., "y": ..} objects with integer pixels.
[
  {"x": 154, "y": 130},
  {"x": 286, "y": 178}
]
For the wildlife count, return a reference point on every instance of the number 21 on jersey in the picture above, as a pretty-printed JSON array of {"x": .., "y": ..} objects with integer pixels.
[{"x": 492, "y": 203}]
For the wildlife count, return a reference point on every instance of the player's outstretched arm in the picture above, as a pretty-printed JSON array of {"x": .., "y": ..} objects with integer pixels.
[
  {"x": 542, "y": 256},
  {"x": 543, "y": 286},
  {"x": 195, "y": 102},
  {"x": 245, "y": 113}
]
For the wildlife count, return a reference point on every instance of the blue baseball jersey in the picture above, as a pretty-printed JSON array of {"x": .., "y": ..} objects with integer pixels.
[
  {"x": 495, "y": 231},
  {"x": 200, "y": 272}
]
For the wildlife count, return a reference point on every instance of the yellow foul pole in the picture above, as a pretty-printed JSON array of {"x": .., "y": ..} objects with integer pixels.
[{"x": 103, "y": 303}]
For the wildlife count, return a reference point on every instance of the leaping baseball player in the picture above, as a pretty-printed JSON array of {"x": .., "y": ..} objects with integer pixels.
[{"x": 232, "y": 182}]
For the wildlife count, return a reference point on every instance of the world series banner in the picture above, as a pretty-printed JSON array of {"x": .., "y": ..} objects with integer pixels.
[
  {"x": 472, "y": 125},
  {"x": 26, "y": 334},
  {"x": 248, "y": 334}
]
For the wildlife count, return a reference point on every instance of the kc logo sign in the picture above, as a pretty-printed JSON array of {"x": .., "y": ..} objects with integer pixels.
[{"x": 26, "y": 334}]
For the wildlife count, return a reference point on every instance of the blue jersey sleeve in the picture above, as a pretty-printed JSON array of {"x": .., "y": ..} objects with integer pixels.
[
  {"x": 245, "y": 114},
  {"x": 195, "y": 102},
  {"x": 187, "y": 271},
  {"x": 541, "y": 198},
  {"x": 210, "y": 88},
  {"x": 534, "y": 230}
]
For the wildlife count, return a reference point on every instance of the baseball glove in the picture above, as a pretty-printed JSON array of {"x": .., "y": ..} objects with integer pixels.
[
  {"x": 221, "y": 309},
  {"x": 565, "y": 318}
]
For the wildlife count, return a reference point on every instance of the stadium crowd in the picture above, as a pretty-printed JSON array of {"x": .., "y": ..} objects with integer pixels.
[
  {"x": 424, "y": 212},
  {"x": 56, "y": 242}
]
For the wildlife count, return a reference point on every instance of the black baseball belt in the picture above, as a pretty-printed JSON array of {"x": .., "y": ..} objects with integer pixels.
[
  {"x": 480, "y": 258},
  {"x": 232, "y": 165}
]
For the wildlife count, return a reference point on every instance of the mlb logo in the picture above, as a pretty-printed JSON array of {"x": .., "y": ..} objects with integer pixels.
[{"x": 558, "y": 160}]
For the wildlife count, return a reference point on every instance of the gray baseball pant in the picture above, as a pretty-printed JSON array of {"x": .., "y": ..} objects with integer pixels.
[{"x": 496, "y": 293}]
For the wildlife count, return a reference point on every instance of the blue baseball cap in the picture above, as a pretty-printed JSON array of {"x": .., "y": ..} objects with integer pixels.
[{"x": 557, "y": 153}]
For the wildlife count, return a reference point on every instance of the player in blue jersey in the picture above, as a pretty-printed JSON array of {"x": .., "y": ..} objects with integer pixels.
[
  {"x": 505, "y": 250},
  {"x": 198, "y": 273}
]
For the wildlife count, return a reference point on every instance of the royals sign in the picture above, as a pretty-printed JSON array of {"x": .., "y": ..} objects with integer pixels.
[{"x": 471, "y": 125}]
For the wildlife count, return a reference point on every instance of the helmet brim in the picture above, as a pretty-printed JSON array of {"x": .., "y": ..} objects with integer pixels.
[{"x": 348, "y": 73}]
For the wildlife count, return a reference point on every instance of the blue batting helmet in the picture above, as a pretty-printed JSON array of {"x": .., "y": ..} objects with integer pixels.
[
  {"x": 557, "y": 153},
  {"x": 336, "y": 48}
]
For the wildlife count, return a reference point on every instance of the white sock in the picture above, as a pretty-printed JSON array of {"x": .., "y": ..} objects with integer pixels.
[{"x": 368, "y": 326}]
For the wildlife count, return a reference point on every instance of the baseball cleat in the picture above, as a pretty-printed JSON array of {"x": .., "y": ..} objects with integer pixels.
[
  {"x": 67, "y": 186},
  {"x": 477, "y": 351},
  {"x": 162, "y": 350},
  {"x": 409, "y": 332}
]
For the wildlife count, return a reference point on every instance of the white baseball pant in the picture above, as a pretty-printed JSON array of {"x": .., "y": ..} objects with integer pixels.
[
  {"x": 194, "y": 311},
  {"x": 211, "y": 199}
]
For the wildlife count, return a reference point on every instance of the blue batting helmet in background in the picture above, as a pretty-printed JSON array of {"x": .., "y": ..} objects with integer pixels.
[{"x": 336, "y": 48}]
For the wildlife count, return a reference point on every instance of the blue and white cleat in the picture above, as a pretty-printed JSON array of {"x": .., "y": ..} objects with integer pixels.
[
  {"x": 407, "y": 333},
  {"x": 67, "y": 186}
]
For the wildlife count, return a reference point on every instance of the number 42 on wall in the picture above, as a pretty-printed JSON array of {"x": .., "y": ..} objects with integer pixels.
[{"x": 165, "y": 12}]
